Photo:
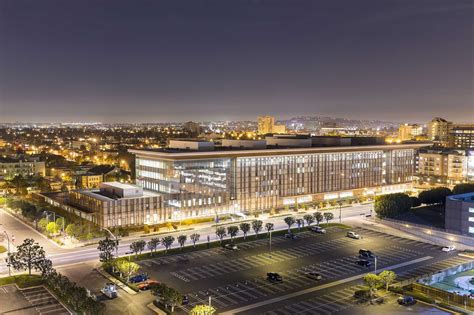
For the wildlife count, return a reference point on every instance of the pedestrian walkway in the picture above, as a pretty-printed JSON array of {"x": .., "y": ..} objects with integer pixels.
[{"x": 434, "y": 267}]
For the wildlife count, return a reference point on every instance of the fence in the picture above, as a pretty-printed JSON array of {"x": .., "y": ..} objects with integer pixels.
[{"x": 450, "y": 298}]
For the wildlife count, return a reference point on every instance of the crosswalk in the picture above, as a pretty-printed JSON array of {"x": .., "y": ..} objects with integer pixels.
[
  {"x": 252, "y": 261},
  {"x": 325, "y": 304},
  {"x": 43, "y": 301}
]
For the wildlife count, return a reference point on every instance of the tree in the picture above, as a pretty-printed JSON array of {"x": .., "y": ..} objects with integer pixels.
[
  {"x": 181, "y": 240},
  {"x": 392, "y": 205},
  {"x": 137, "y": 246},
  {"x": 328, "y": 216},
  {"x": 194, "y": 238},
  {"x": 125, "y": 267},
  {"x": 106, "y": 248},
  {"x": 45, "y": 266},
  {"x": 42, "y": 224},
  {"x": 220, "y": 232},
  {"x": 290, "y": 221},
  {"x": 309, "y": 219},
  {"x": 28, "y": 255},
  {"x": 153, "y": 244},
  {"x": 387, "y": 277},
  {"x": 463, "y": 189},
  {"x": 372, "y": 281},
  {"x": 171, "y": 298},
  {"x": 434, "y": 196},
  {"x": 60, "y": 223},
  {"x": 269, "y": 227},
  {"x": 232, "y": 230},
  {"x": 202, "y": 310},
  {"x": 318, "y": 217},
  {"x": 257, "y": 226},
  {"x": 415, "y": 202},
  {"x": 52, "y": 228},
  {"x": 71, "y": 230},
  {"x": 245, "y": 228},
  {"x": 167, "y": 241}
]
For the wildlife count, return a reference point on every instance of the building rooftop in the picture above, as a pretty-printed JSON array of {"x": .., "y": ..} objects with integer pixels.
[
  {"x": 468, "y": 197},
  {"x": 269, "y": 150}
]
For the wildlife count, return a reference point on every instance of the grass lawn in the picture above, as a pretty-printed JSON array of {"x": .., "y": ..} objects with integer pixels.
[{"x": 23, "y": 281}]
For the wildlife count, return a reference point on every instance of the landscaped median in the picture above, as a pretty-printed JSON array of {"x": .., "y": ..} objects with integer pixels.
[{"x": 22, "y": 281}]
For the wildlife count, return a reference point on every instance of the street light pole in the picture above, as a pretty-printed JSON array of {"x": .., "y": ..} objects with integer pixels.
[
  {"x": 8, "y": 251},
  {"x": 270, "y": 243},
  {"x": 375, "y": 271},
  {"x": 116, "y": 241}
]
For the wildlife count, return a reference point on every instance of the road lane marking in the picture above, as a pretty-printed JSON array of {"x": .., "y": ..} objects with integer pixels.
[{"x": 318, "y": 288}]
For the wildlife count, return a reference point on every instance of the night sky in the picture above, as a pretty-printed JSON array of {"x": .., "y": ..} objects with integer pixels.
[{"x": 155, "y": 61}]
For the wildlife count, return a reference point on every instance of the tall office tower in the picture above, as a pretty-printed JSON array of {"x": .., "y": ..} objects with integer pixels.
[{"x": 265, "y": 124}]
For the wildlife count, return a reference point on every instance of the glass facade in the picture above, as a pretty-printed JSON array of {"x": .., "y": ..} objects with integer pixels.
[{"x": 208, "y": 186}]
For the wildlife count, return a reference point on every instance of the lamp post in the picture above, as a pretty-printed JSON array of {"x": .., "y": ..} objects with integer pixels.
[
  {"x": 116, "y": 240},
  {"x": 128, "y": 273},
  {"x": 340, "y": 211},
  {"x": 270, "y": 243},
  {"x": 8, "y": 251},
  {"x": 375, "y": 261}
]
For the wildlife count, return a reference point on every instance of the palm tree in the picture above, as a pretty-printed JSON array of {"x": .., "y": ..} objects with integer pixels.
[{"x": 290, "y": 221}]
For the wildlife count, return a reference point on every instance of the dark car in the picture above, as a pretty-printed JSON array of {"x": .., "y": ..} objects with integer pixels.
[
  {"x": 291, "y": 236},
  {"x": 365, "y": 253},
  {"x": 274, "y": 277},
  {"x": 364, "y": 263},
  {"x": 139, "y": 278},
  {"x": 406, "y": 300},
  {"x": 185, "y": 300}
]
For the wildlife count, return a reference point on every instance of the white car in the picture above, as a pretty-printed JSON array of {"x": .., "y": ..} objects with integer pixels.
[
  {"x": 449, "y": 248},
  {"x": 353, "y": 235}
]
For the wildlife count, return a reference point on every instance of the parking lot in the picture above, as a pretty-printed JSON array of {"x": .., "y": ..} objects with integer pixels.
[
  {"x": 236, "y": 280},
  {"x": 36, "y": 300}
]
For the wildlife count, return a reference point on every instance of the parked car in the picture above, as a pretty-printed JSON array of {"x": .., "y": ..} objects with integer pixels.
[
  {"x": 185, "y": 300},
  {"x": 317, "y": 229},
  {"x": 365, "y": 253},
  {"x": 406, "y": 300},
  {"x": 364, "y": 263},
  {"x": 353, "y": 235},
  {"x": 146, "y": 285},
  {"x": 231, "y": 246},
  {"x": 291, "y": 236},
  {"x": 274, "y": 277},
  {"x": 139, "y": 278},
  {"x": 449, "y": 248},
  {"x": 109, "y": 290},
  {"x": 314, "y": 275}
]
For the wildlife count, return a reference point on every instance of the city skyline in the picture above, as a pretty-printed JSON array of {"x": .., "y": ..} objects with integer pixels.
[{"x": 154, "y": 61}]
